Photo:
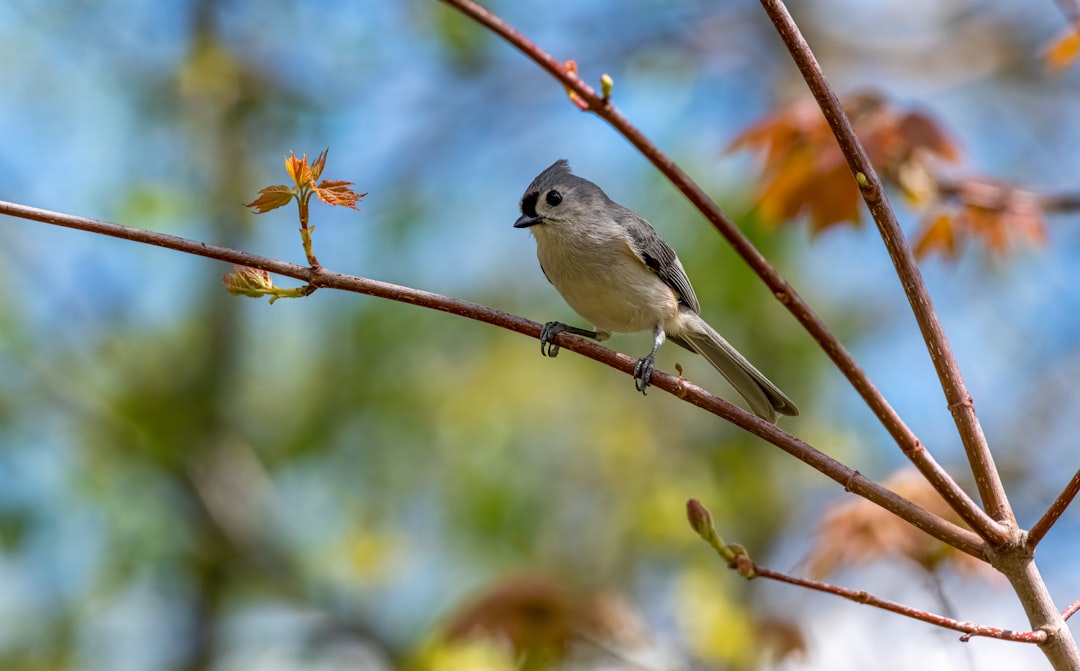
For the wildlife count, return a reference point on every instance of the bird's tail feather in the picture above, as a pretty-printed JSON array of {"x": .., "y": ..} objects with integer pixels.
[{"x": 764, "y": 398}]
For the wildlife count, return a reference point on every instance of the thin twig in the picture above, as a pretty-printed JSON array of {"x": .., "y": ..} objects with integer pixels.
[
  {"x": 1071, "y": 610},
  {"x": 996, "y": 195},
  {"x": 968, "y": 628},
  {"x": 1071, "y": 9},
  {"x": 905, "y": 438},
  {"x": 1053, "y": 203},
  {"x": 852, "y": 480},
  {"x": 959, "y": 401},
  {"x": 1054, "y": 511}
]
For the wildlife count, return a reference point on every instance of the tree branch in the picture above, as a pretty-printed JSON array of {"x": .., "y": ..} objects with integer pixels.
[
  {"x": 1009, "y": 555},
  {"x": 851, "y": 480},
  {"x": 999, "y": 196},
  {"x": 1071, "y": 610},
  {"x": 959, "y": 401},
  {"x": 1071, "y": 9},
  {"x": 858, "y": 596},
  {"x": 1053, "y": 203},
  {"x": 905, "y": 438},
  {"x": 1054, "y": 511},
  {"x": 739, "y": 560}
]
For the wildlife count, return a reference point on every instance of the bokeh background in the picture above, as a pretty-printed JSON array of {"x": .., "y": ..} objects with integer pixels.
[{"x": 190, "y": 480}]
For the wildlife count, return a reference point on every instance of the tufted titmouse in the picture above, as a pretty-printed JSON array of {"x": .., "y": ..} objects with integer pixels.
[{"x": 615, "y": 271}]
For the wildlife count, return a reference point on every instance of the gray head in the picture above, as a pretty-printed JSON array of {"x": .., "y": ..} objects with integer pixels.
[{"x": 558, "y": 195}]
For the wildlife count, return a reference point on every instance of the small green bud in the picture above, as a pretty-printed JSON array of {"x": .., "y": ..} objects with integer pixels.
[
  {"x": 606, "y": 84},
  {"x": 700, "y": 519}
]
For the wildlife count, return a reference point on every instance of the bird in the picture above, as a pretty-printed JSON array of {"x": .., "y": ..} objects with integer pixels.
[{"x": 613, "y": 269}]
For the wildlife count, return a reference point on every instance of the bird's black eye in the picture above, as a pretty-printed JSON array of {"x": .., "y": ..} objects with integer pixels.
[{"x": 553, "y": 198}]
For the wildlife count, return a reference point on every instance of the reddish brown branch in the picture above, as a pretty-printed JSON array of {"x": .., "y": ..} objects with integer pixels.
[
  {"x": 1071, "y": 610},
  {"x": 1071, "y": 9},
  {"x": 1010, "y": 557},
  {"x": 1054, "y": 511},
  {"x": 959, "y": 401},
  {"x": 968, "y": 628},
  {"x": 852, "y": 480},
  {"x": 784, "y": 292},
  {"x": 739, "y": 560},
  {"x": 996, "y": 195},
  {"x": 1053, "y": 203}
]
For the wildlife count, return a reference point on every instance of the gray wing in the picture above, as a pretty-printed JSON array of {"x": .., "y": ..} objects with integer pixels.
[{"x": 661, "y": 258}]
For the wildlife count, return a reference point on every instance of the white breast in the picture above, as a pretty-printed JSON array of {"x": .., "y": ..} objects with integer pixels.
[{"x": 604, "y": 281}]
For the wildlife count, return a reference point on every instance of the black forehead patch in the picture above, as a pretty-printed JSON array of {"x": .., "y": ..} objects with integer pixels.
[{"x": 528, "y": 204}]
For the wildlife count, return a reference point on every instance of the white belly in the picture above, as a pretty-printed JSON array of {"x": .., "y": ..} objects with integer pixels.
[
  {"x": 609, "y": 287},
  {"x": 613, "y": 305}
]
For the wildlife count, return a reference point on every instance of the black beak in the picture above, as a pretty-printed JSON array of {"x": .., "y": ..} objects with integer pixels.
[{"x": 525, "y": 221}]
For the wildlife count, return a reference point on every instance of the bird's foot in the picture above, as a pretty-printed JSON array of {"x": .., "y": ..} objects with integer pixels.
[
  {"x": 552, "y": 329},
  {"x": 643, "y": 372}
]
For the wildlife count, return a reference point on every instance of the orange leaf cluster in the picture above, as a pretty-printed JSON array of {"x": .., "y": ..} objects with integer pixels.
[
  {"x": 781, "y": 638},
  {"x": 996, "y": 213},
  {"x": 858, "y": 532},
  {"x": 305, "y": 178},
  {"x": 1063, "y": 52},
  {"x": 542, "y": 619},
  {"x": 806, "y": 173}
]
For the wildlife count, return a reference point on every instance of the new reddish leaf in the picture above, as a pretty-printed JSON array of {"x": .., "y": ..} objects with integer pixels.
[
  {"x": 299, "y": 170},
  {"x": 337, "y": 192},
  {"x": 318, "y": 165},
  {"x": 1002, "y": 227},
  {"x": 271, "y": 198},
  {"x": 1063, "y": 52},
  {"x": 921, "y": 132},
  {"x": 937, "y": 235}
]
